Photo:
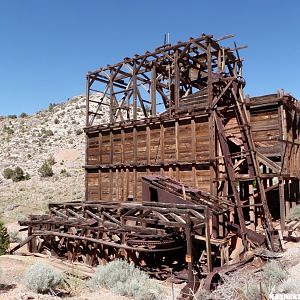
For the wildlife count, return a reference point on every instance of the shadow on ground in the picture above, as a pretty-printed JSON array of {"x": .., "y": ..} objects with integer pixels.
[{"x": 7, "y": 287}]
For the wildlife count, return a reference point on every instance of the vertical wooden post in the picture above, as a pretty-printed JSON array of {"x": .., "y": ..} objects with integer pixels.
[
  {"x": 99, "y": 185},
  {"x": 111, "y": 146},
  {"x": 212, "y": 137},
  {"x": 127, "y": 183},
  {"x": 87, "y": 101},
  {"x": 153, "y": 90},
  {"x": 207, "y": 239},
  {"x": 134, "y": 95},
  {"x": 209, "y": 74},
  {"x": 117, "y": 185},
  {"x": 281, "y": 203},
  {"x": 111, "y": 184},
  {"x": 111, "y": 104},
  {"x": 177, "y": 80},
  {"x": 177, "y": 141},
  {"x": 135, "y": 184},
  {"x": 32, "y": 246},
  {"x": 162, "y": 143},
  {"x": 194, "y": 158},
  {"x": 162, "y": 147},
  {"x": 87, "y": 107},
  {"x": 122, "y": 146},
  {"x": 148, "y": 144},
  {"x": 287, "y": 196},
  {"x": 189, "y": 249},
  {"x": 252, "y": 206},
  {"x": 134, "y": 163}
]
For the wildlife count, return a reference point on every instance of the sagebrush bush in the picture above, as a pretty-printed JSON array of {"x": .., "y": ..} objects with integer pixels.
[
  {"x": 126, "y": 280},
  {"x": 290, "y": 286},
  {"x": 41, "y": 277},
  {"x": 45, "y": 170},
  {"x": 16, "y": 174},
  {"x": 23, "y": 115},
  {"x": 274, "y": 273},
  {"x": 4, "y": 239},
  {"x": 14, "y": 237},
  {"x": 8, "y": 173}
]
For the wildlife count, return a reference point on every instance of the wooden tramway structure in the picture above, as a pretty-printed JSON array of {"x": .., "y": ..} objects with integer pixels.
[
  {"x": 179, "y": 111},
  {"x": 184, "y": 162}
]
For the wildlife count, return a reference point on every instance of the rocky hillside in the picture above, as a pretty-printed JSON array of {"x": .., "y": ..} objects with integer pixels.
[{"x": 27, "y": 141}]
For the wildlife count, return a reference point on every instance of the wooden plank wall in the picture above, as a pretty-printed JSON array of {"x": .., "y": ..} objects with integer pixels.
[{"x": 118, "y": 157}]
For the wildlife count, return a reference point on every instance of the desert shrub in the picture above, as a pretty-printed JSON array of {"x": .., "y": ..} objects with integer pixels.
[
  {"x": 14, "y": 237},
  {"x": 8, "y": 173},
  {"x": 126, "y": 280},
  {"x": 23, "y": 115},
  {"x": 51, "y": 106},
  {"x": 73, "y": 281},
  {"x": 16, "y": 174},
  {"x": 12, "y": 116},
  {"x": 46, "y": 132},
  {"x": 294, "y": 214},
  {"x": 78, "y": 132},
  {"x": 56, "y": 121},
  {"x": 274, "y": 273},
  {"x": 45, "y": 170},
  {"x": 51, "y": 160},
  {"x": 41, "y": 278},
  {"x": 253, "y": 291},
  {"x": 65, "y": 173},
  {"x": 290, "y": 286},
  {"x": 4, "y": 239},
  {"x": 8, "y": 130}
]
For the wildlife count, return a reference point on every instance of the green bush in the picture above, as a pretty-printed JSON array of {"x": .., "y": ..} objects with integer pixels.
[
  {"x": 23, "y": 115},
  {"x": 8, "y": 130},
  {"x": 4, "y": 239},
  {"x": 41, "y": 278},
  {"x": 45, "y": 170},
  {"x": 16, "y": 174},
  {"x": 126, "y": 280},
  {"x": 52, "y": 106},
  {"x": 8, "y": 173},
  {"x": 46, "y": 132}
]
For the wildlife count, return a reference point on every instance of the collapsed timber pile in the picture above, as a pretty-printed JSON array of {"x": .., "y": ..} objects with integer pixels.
[{"x": 176, "y": 189}]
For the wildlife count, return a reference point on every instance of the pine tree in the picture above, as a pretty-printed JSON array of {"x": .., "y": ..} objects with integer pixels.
[{"x": 4, "y": 239}]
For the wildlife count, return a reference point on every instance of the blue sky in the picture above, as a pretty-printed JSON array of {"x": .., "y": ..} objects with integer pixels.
[{"x": 47, "y": 46}]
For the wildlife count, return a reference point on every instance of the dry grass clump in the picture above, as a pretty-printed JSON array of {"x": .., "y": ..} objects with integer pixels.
[
  {"x": 126, "y": 280},
  {"x": 245, "y": 285},
  {"x": 273, "y": 275},
  {"x": 238, "y": 285}
]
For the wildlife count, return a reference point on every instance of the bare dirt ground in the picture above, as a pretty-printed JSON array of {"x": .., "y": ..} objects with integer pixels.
[
  {"x": 13, "y": 267},
  {"x": 11, "y": 287}
]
